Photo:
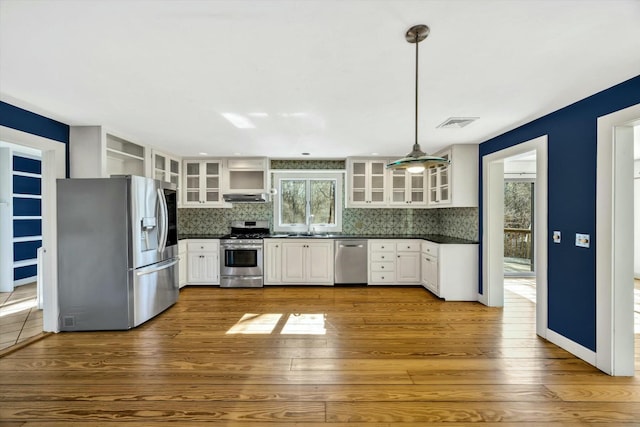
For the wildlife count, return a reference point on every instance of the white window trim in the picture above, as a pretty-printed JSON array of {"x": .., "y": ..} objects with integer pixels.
[{"x": 306, "y": 174}]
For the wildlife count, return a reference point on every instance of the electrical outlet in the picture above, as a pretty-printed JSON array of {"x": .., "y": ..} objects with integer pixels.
[{"x": 582, "y": 240}]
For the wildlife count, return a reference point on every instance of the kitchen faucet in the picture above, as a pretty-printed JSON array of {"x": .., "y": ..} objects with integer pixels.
[{"x": 310, "y": 220}]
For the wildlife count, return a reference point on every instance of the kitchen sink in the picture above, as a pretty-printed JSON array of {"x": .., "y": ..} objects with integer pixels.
[{"x": 304, "y": 235}]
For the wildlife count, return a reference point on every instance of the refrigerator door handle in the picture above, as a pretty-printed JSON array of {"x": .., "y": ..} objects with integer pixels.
[
  {"x": 164, "y": 221},
  {"x": 157, "y": 267}
]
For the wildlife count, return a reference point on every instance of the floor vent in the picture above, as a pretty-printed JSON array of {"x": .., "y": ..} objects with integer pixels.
[
  {"x": 69, "y": 321},
  {"x": 457, "y": 122}
]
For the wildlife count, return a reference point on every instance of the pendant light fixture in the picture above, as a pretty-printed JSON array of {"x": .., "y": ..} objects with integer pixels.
[{"x": 417, "y": 160}]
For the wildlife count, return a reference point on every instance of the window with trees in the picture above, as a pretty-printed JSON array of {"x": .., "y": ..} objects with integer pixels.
[{"x": 308, "y": 201}]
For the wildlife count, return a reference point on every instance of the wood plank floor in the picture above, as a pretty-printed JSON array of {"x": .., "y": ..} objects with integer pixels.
[{"x": 314, "y": 356}]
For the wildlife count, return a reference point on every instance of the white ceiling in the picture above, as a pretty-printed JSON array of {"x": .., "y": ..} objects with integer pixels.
[{"x": 333, "y": 78}]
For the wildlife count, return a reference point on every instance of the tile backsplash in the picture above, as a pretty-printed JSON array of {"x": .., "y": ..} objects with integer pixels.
[{"x": 454, "y": 222}]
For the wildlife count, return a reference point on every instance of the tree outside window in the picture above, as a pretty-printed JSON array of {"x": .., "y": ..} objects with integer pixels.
[{"x": 316, "y": 197}]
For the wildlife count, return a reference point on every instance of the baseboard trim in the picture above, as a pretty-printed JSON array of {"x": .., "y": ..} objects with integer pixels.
[{"x": 572, "y": 347}]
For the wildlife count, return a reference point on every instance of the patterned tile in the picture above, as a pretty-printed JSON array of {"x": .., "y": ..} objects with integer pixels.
[
  {"x": 454, "y": 222},
  {"x": 308, "y": 164}
]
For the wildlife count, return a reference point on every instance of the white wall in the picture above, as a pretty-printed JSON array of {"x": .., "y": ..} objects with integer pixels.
[
  {"x": 636, "y": 214},
  {"x": 636, "y": 209}
]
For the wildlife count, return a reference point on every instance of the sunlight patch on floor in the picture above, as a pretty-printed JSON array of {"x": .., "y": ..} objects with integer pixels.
[
  {"x": 17, "y": 306},
  {"x": 525, "y": 287},
  {"x": 305, "y": 324},
  {"x": 256, "y": 324},
  {"x": 295, "y": 324}
]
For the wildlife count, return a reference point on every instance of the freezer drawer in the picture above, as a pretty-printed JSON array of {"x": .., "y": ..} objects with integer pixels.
[{"x": 155, "y": 288}]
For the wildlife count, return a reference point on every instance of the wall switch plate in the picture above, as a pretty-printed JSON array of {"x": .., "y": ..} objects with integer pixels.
[
  {"x": 582, "y": 240},
  {"x": 557, "y": 237}
]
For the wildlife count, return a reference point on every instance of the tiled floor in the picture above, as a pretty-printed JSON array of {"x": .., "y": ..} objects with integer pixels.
[{"x": 20, "y": 318}]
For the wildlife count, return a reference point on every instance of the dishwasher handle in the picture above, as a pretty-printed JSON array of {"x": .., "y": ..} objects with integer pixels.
[{"x": 350, "y": 246}]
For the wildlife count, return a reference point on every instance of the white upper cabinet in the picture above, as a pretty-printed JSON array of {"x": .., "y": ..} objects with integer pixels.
[
  {"x": 408, "y": 189},
  {"x": 166, "y": 167},
  {"x": 246, "y": 175},
  {"x": 96, "y": 153},
  {"x": 455, "y": 185},
  {"x": 367, "y": 183},
  {"x": 202, "y": 183}
]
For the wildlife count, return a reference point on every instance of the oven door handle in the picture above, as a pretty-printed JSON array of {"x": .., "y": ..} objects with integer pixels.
[{"x": 240, "y": 247}]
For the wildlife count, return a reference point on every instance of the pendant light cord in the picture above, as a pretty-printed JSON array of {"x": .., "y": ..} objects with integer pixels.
[{"x": 416, "y": 121}]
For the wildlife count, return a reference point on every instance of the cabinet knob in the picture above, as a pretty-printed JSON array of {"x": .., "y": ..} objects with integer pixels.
[
  {"x": 382, "y": 267},
  {"x": 382, "y": 277},
  {"x": 276, "y": 246},
  {"x": 398, "y": 256},
  {"x": 382, "y": 257}
]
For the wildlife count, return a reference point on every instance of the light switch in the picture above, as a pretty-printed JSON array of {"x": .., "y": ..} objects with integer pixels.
[
  {"x": 582, "y": 240},
  {"x": 557, "y": 237}
]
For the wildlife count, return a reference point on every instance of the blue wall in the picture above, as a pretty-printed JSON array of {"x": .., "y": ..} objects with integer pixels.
[
  {"x": 572, "y": 140},
  {"x": 26, "y": 121}
]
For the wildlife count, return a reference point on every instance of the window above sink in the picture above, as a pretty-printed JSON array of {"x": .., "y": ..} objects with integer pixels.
[{"x": 308, "y": 203}]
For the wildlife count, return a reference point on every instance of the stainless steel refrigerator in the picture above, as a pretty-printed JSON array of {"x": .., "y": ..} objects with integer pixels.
[{"x": 117, "y": 251}]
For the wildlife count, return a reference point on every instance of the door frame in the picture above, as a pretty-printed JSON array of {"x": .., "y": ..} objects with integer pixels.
[
  {"x": 614, "y": 248},
  {"x": 53, "y": 167},
  {"x": 493, "y": 227}
]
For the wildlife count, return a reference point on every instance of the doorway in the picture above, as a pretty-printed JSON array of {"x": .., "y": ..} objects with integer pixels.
[
  {"x": 20, "y": 243},
  {"x": 615, "y": 252},
  {"x": 519, "y": 225},
  {"x": 495, "y": 166},
  {"x": 53, "y": 167}
]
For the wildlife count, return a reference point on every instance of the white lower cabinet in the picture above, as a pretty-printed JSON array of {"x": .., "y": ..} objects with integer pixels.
[
  {"x": 182, "y": 265},
  {"x": 272, "y": 262},
  {"x": 203, "y": 262},
  {"x": 298, "y": 262},
  {"x": 450, "y": 271},
  {"x": 382, "y": 262},
  {"x": 394, "y": 262},
  {"x": 429, "y": 261}
]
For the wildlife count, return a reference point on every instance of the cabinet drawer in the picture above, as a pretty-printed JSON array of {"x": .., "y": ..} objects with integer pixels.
[
  {"x": 382, "y": 256},
  {"x": 204, "y": 246},
  {"x": 408, "y": 246},
  {"x": 430, "y": 248},
  {"x": 382, "y": 277},
  {"x": 383, "y": 247},
  {"x": 383, "y": 266}
]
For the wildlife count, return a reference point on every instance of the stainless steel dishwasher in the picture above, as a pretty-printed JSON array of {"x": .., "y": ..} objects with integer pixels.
[{"x": 350, "y": 261}]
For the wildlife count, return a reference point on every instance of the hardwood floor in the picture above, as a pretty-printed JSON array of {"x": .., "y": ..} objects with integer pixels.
[
  {"x": 312, "y": 356},
  {"x": 20, "y": 318}
]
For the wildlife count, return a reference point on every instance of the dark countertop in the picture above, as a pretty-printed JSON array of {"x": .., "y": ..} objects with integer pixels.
[
  {"x": 436, "y": 238},
  {"x": 200, "y": 236}
]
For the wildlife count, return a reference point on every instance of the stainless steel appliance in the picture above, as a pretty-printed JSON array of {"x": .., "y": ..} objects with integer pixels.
[
  {"x": 350, "y": 261},
  {"x": 241, "y": 255},
  {"x": 117, "y": 251},
  {"x": 246, "y": 198}
]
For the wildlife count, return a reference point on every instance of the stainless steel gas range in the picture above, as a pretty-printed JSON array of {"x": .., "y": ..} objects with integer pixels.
[{"x": 241, "y": 255}]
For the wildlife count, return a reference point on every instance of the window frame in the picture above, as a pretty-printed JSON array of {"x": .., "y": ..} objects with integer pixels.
[{"x": 307, "y": 176}]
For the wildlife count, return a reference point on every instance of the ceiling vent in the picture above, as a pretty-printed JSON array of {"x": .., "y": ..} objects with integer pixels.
[{"x": 456, "y": 122}]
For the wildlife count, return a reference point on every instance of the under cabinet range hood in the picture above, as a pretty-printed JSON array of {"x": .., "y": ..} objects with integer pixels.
[{"x": 246, "y": 198}]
